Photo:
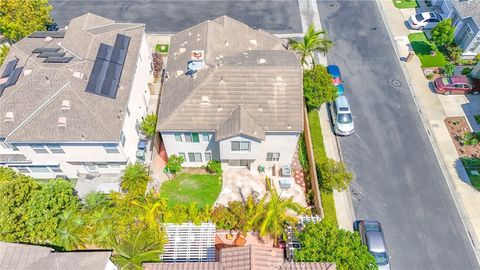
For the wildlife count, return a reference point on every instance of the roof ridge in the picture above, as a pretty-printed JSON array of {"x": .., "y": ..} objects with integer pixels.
[
  {"x": 35, "y": 113},
  {"x": 133, "y": 26}
]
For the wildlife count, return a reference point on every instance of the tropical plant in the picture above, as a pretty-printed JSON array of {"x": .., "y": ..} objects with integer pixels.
[
  {"x": 96, "y": 200},
  {"x": 449, "y": 69},
  {"x": 318, "y": 87},
  {"x": 174, "y": 164},
  {"x": 467, "y": 71},
  {"x": 3, "y": 52},
  {"x": 324, "y": 242},
  {"x": 19, "y": 18},
  {"x": 153, "y": 206},
  {"x": 443, "y": 33},
  {"x": 70, "y": 229},
  {"x": 313, "y": 41},
  {"x": 275, "y": 214},
  {"x": 135, "y": 179},
  {"x": 334, "y": 175},
  {"x": 214, "y": 166},
  {"x": 149, "y": 125},
  {"x": 454, "y": 52}
]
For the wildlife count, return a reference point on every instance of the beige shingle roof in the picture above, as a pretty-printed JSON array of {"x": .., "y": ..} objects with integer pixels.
[
  {"x": 241, "y": 66},
  {"x": 30, "y": 257},
  {"x": 35, "y": 100},
  {"x": 240, "y": 122}
]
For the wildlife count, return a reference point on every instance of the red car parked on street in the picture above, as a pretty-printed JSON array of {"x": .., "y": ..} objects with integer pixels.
[{"x": 456, "y": 85}]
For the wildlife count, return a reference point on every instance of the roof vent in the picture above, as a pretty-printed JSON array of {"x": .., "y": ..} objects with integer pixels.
[
  {"x": 226, "y": 43},
  {"x": 260, "y": 108},
  {"x": 27, "y": 72},
  {"x": 261, "y": 61},
  {"x": 189, "y": 33},
  {"x": 221, "y": 80},
  {"x": 205, "y": 100},
  {"x": 9, "y": 117},
  {"x": 48, "y": 38},
  {"x": 65, "y": 105},
  {"x": 219, "y": 109},
  {"x": 289, "y": 126},
  {"x": 62, "y": 121},
  {"x": 279, "y": 79},
  {"x": 184, "y": 43},
  {"x": 181, "y": 50},
  {"x": 78, "y": 74},
  {"x": 179, "y": 73},
  {"x": 253, "y": 42}
]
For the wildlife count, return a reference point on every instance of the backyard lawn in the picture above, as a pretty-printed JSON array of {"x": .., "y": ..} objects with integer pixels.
[
  {"x": 203, "y": 189},
  {"x": 422, "y": 46},
  {"x": 405, "y": 3}
]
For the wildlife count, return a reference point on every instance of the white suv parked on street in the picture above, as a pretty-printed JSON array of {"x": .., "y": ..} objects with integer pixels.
[{"x": 343, "y": 117}]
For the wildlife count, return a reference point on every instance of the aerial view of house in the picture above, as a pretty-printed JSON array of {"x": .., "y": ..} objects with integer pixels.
[{"x": 239, "y": 135}]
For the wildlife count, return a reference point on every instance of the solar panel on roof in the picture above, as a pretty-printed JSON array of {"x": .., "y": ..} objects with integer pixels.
[
  {"x": 44, "y": 34},
  {"x": 12, "y": 79},
  {"x": 43, "y": 49},
  {"x": 104, "y": 52},
  {"x": 120, "y": 49},
  {"x": 108, "y": 66},
  {"x": 58, "y": 59},
  {"x": 51, "y": 54},
  {"x": 112, "y": 79},
  {"x": 97, "y": 76},
  {"x": 9, "y": 68}
]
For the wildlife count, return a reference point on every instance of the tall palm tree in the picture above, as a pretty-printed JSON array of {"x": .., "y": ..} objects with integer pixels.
[
  {"x": 135, "y": 179},
  {"x": 313, "y": 41},
  {"x": 153, "y": 207},
  {"x": 275, "y": 215}
]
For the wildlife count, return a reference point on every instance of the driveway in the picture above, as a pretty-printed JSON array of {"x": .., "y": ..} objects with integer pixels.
[
  {"x": 397, "y": 177},
  {"x": 162, "y": 16}
]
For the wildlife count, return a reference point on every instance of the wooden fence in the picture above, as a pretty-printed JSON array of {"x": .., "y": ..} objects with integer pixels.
[{"x": 311, "y": 161}]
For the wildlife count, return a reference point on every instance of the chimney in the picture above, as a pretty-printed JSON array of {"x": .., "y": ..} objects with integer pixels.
[
  {"x": 65, "y": 105},
  {"x": 62, "y": 121},
  {"x": 9, "y": 117}
]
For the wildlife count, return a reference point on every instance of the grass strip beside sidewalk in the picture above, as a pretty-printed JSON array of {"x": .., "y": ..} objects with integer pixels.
[{"x": 320, "y": 156}]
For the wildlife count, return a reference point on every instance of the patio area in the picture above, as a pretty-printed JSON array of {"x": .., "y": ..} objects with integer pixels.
[
  {"x": 97, "y": 182},
  {"x": 239, "y": 183}
]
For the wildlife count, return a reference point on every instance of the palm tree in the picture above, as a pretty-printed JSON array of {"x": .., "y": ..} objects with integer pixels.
[
  {"x": 153, "y": 208},
  {"x": 69, "y": 231},
  {"x": 135, "y": 179},
  {"x": 272, "y": 220},
  {"x": 96, "y": 199},
  {"x": 313, "y": 41}
]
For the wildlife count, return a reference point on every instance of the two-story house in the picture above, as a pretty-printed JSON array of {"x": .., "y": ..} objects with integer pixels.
[
  {"x": 465, "y": 15},
  {"x": 71, "y": 100},
  {"x": 232, "y": 93}
]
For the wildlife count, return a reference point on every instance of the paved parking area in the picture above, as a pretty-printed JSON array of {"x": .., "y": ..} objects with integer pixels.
[{"x": 276, "y": 16}]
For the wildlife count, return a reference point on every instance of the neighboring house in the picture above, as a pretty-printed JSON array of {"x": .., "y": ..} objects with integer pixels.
[
  {"x": 29, "y": 257},
  {"x": 465, "y": 15},
  {"x": 71, "y": 101},
  {"x": 232, "y": 93},
  {"x": 244, "y": 258}
]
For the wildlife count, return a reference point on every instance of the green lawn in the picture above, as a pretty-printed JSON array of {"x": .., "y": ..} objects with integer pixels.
[
  {"x": 328, "y": 204},
  {"x": 162, "y": 48},
  {"x": 203, "y": 189},
  {"x": 422, "y": 46},
  {"x": 405, "y": 3},
  {"x": 472, "y": 166}
]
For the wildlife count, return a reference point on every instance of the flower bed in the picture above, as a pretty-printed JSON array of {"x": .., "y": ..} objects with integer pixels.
[{"x": 458, "y": 129}]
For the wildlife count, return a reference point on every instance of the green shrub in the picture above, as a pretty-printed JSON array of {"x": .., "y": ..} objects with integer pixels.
[
  {"x": 214, "y": 166},
  {"x": 174, "y": 164},
  {"x": 149, "y": 125},
  {"x": 470, "y": 138},
  {"x": 449, "y": 69},
  {"x": 454, "y": 52},
  {"x": 302, "y": 152},
  {"x": 466, "y": 71}
]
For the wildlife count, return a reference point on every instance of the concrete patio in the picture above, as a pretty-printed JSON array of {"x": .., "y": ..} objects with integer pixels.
[
  {"x": 97, "y": 182},
  {"x": 239, "y": 183}
]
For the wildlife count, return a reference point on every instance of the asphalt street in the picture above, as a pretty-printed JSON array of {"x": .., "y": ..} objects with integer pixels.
[
  {"x": 397, "y": 177},
  {"x": 276, "y": 16}
]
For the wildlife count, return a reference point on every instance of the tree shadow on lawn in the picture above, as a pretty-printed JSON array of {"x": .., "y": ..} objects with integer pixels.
[{"x": 421, "y": 47}]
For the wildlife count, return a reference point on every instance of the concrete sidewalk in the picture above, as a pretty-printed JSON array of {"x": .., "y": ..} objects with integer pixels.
[
  {"x": 342, "y": 199},
  {"x": 433, "y": 114}
]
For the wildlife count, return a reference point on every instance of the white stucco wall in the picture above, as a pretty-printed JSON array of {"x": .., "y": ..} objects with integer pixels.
[
  {"x": 138, "y": 102},
  {"x": 71, "y": 161},
  {"x": 283, "y": 143},
  {"x": 174, "y": 148}
]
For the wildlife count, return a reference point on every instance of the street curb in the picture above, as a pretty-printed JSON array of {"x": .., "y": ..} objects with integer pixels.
[{"x": 433, "y": 141}]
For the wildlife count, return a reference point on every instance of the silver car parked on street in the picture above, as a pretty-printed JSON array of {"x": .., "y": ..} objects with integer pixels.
[
  {"x": 343, "y": 117},
  {"x": 372, "y": 236}
]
